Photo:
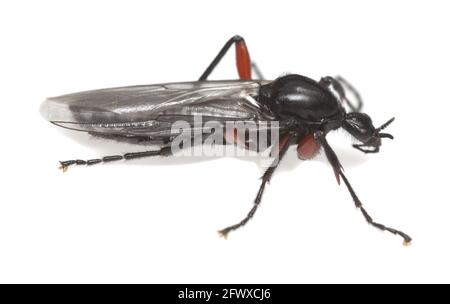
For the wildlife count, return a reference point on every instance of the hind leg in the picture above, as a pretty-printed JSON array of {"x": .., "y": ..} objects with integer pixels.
[{"x": 243, "y": 62}]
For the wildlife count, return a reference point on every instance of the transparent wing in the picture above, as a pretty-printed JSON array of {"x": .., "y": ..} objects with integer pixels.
[{"x": 150, "y": 110}]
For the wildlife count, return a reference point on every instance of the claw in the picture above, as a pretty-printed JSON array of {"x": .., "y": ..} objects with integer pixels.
[
  {"x": 223, "y": 234},
  {"x": 63, "y": 168}
]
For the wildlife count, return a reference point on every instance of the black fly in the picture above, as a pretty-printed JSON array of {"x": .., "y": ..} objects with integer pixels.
[{"x": 306, "y": 110}]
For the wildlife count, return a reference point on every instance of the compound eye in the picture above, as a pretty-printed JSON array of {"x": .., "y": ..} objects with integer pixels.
[
  {"x": 361, "y": 125},
  {"x": 361, "y": 120}
]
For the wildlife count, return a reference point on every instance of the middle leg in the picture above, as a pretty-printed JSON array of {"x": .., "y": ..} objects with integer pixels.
[{"x": 282, "y": 147}]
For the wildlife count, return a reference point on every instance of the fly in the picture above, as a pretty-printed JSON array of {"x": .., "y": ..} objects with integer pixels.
[{"x": 303, "y": 111}]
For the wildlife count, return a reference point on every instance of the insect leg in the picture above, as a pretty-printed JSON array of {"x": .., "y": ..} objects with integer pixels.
[
  {"x": 355, "y": 92},
  {"x": 283, "y": 145},
  {"x": 165, "y": 151},
  {"x": 243, "y": 62},
  {"x": 257, "y": 71},
  {"x": 337, "y": 167},
  {"x": 307, "y": 147}
]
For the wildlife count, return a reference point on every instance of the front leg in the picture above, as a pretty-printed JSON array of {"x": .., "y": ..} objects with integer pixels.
[{"x": 337, "y": 167}]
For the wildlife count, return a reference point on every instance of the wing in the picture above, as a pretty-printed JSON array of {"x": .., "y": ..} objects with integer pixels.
[{"x": 151, "y": 110}]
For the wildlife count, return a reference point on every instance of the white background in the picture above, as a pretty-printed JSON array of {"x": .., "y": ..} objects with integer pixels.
[{"x": 156, "y": 220}]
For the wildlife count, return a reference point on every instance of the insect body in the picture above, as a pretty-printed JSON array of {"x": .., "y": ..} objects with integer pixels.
[{"x": 305, "y": 109}]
